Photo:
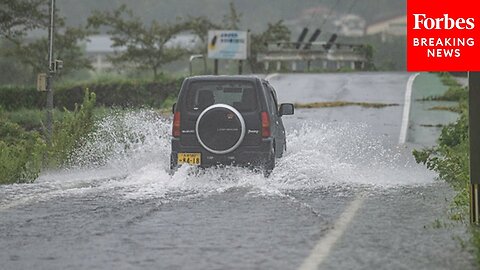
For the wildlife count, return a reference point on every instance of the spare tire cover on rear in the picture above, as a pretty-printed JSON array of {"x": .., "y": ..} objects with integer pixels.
[{"x": 220, "y": 129}]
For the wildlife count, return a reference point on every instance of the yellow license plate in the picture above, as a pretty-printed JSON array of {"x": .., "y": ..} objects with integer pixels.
[{"x": 189, "y": 158}]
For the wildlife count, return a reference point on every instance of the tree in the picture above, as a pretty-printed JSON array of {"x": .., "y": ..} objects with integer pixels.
[
  {"x": 200, "y": 26},
  {"x": 276, "y": 32},
  {"x": 233, "y": 19},
  {"x": 34, "y": 54},
  {"x": 19, "y": 16},
  {"x": 143, "y": 45},
  {"x": 367, "y": 50},
  {"x": 13, "y": 71}
]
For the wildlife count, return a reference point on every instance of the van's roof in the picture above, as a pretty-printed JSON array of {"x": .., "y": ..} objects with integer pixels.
[{"x": 223, "y": 77}]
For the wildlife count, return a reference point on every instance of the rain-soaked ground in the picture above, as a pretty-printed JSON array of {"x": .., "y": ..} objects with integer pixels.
[{"x": 345, "y": 196}]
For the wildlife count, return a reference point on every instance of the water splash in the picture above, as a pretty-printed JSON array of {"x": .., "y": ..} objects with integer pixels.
[
  {"x": 346, "y": 154},
  {"x": 125, "y": 141},
  {"x": 130, "y": 152}
]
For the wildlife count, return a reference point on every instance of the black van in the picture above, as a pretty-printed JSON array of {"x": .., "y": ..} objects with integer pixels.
[{"x": 228, "y": 120}]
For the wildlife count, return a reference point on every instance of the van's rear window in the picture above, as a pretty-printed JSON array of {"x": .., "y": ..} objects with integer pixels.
[{"x": 238, "y": 94}]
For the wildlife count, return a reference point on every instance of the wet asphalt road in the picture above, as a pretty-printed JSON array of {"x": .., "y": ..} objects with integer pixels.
[{"x": 126, "y": 212}]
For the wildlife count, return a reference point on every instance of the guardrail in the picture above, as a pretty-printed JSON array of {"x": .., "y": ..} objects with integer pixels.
[{"x": 354, "y": 55}]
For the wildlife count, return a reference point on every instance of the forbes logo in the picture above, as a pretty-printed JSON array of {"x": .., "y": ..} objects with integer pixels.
[{"x": 444, "y": 23}]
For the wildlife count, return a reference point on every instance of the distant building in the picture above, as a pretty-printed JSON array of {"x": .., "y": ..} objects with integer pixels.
[
  {"x": 396, "y": 26},
  {"x": 99, "y": 47},
  {"x": 185, "y": 40}
]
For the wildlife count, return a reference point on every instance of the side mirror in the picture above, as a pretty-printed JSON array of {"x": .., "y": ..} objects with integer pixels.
[
  {"x": 286, "y": 109},
  {"x": 173, "y": 107}
]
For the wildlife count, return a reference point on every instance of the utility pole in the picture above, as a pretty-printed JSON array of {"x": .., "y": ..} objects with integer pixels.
[
  {"x": 474, "y": 125},
  {"x": 50, "y": 74}
]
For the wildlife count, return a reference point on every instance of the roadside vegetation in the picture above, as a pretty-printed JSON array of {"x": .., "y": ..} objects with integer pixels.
[
  {"x": 24, "y": 153},
  {"x": 24, "y": 150},
  {"x": 21, "y": 153},
  {"x": 450, "y": 158}
]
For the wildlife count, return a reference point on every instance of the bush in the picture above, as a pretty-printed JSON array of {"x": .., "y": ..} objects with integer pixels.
[
  {"x": 15, "y": 97},
  {"x": 121, "y": 94},
  {"x": 450, "y": 158},
  {"x": 21, "y": 153},
  {"x": 68, "y": 132}
]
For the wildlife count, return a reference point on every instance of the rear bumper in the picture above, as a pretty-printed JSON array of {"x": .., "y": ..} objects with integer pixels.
[{"x": 242, "y": 156}]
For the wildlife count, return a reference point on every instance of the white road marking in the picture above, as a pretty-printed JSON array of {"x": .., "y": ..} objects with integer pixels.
[
  {"x": 406, "y": 109},
  {"x": 324, "y": 246}
]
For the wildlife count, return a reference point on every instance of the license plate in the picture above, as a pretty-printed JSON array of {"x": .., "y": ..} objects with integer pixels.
[{"x": 189, "y": 158}]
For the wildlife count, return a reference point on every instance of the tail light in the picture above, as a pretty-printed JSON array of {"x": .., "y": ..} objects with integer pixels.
[
  {"x": 265, "y": 125},
  {"x": 176, "y": 125}
]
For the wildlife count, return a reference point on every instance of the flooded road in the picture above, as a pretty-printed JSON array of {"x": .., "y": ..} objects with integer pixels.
[{"x": 345, "y": 195}]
